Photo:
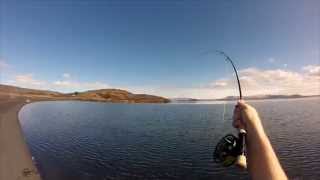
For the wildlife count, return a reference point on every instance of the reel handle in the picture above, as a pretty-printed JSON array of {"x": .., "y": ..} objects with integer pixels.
[
  {"x": 242, "y": 138},
  {"x": 241, "y": 159}
]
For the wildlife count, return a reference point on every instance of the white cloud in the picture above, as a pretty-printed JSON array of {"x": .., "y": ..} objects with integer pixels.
[
  {"x": 220, "y": 83},
  {"x": 256, "y": 81},
  {"x": 66, "y": 75},
  {"x": 69, "y": 86},
  {"x": 312, "y": 70},
  {"x": 28, "y": 81}
]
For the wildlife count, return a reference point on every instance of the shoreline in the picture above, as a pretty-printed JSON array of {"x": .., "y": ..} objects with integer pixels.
[{"x": 15, "y": 157}]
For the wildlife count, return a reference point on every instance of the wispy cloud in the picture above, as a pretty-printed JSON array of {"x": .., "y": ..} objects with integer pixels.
[
  {"x": 69, "y": 86},
  {"x": 312, "y": 70},
  {"x": 278, "y": 81},
  {"x": 29, "y": 81}
]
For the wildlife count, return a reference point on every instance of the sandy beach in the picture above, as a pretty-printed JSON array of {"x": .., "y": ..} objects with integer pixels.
[{"x": 15, "y": 158}]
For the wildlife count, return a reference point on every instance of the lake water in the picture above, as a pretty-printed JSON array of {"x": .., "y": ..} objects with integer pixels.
[{"x": 85, "y": 140}]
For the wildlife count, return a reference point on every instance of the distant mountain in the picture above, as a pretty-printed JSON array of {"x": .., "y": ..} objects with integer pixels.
[
  {"x": 260, "y": 97},
  {"x": 183, "y": 99},
  {"x": 233, "y": 98},
  {"x": 102, "y": 95}
]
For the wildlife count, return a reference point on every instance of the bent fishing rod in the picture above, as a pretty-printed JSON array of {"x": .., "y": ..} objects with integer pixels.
[
  {"x": 231, "y": 149},
  {"x": 234, "y": 69}
]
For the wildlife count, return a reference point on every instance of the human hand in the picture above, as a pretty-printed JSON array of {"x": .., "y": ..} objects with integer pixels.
[{"x": 245, "y": 115}]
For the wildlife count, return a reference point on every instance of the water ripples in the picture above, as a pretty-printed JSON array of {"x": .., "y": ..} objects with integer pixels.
[{"x": 78, "y": 140}]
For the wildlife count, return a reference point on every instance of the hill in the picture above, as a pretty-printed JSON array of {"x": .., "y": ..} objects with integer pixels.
[{"x": 101, "y": 95}]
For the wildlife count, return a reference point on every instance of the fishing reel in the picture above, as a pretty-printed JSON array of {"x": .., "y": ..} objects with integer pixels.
[{"x": 230, "y": 148}]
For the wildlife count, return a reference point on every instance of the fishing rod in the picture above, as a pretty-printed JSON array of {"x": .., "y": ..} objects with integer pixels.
[
  {"x": 231, "y": 149},
  {"x": 235, "y": 70}
]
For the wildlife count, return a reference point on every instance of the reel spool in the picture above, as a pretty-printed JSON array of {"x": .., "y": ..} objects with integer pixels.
[{"x": 229, "y": 148}]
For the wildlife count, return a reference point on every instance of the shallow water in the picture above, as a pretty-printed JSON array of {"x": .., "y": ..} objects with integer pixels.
[{"x": 85, "y": 140}]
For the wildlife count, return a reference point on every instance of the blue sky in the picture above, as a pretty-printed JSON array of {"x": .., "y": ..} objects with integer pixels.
[{"x": 158, "y": 47}]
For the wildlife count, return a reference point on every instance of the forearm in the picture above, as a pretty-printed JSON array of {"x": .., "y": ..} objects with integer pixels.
[{"x": 262, "y": 160}]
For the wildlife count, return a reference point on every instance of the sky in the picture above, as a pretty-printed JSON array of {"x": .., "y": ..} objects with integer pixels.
[{"x": 162, "y": 47}]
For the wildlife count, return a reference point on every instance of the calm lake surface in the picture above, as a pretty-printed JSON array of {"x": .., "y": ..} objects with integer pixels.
[{"x": 85, "y": 140}]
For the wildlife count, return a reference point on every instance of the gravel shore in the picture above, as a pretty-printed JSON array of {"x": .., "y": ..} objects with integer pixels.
[{"x": 15, "y": 158}]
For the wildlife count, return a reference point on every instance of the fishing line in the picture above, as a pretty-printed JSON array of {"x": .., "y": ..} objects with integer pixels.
[{"x": 225, "y": 103}]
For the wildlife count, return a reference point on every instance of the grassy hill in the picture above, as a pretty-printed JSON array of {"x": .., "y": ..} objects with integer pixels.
[{"x": 101, "y": 95}]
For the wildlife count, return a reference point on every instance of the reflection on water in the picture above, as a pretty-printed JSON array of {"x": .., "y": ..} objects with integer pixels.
[{"x": 84, "y": 140}]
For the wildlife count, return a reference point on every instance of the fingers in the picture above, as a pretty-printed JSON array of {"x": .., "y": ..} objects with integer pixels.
[
  {"x": 249, "y": 114},
  {"x": 242, "y": 104},
  {"x": 239, "y": 114}
]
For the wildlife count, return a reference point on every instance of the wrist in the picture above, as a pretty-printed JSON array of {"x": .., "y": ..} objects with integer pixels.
[{"x": 254, "y": 128}]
